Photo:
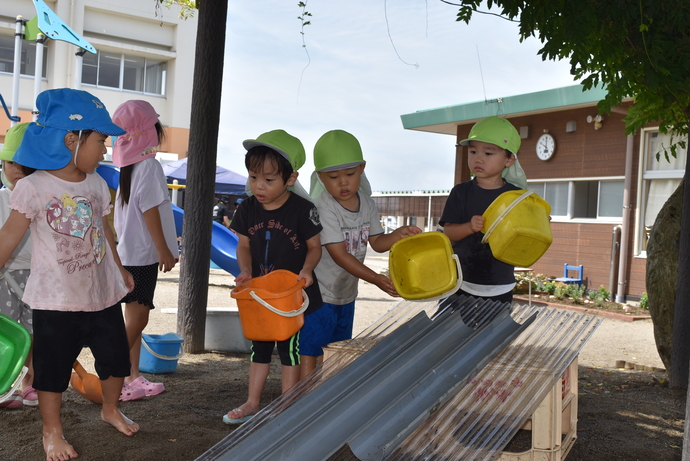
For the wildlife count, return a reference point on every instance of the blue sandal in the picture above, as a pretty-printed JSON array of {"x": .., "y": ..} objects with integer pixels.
[{"x": 233, "y": 421}]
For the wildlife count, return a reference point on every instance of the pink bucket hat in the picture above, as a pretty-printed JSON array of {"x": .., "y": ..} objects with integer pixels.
[{"x": 141, "y": 140}]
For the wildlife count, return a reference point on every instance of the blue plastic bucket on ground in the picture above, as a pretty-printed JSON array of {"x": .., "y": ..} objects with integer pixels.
[{"x": 159, "y": 353}]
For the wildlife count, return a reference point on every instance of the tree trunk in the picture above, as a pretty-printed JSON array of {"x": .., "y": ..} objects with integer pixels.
[
  {"x": 201, "y": 171},
  {"x": 680, "y": 350},
  {"x": 662, "y": 271}
]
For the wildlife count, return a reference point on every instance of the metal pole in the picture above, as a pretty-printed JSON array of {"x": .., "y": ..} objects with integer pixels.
[
  {"x": 38, "y": 73},
  {"x": 18, "y": 37},
  {"x": 78, "y": 68},
  {"x": 428, "y": 219},
  {"x": 174, "y": 192}
]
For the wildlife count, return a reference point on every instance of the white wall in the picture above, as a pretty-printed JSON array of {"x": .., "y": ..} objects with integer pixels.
[{"x": 125, "y": 26}]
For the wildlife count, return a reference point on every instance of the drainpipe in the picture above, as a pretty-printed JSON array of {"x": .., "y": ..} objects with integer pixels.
[
  {"x": 622, "y": 262},
  {"x": 615, "y": 251}
]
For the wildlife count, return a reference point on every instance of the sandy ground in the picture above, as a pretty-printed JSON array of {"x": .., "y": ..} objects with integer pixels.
[{"x": 623, "y": 415}]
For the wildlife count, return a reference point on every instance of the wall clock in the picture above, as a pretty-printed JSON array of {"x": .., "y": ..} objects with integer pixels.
[{"x": 546, "y": 146}]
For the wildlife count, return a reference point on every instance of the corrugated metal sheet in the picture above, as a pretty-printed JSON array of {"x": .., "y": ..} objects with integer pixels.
[{"x": 409, "y": 397}]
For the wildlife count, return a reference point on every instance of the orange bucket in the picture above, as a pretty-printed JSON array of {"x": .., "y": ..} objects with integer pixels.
[{"x": 272, "y": 306}]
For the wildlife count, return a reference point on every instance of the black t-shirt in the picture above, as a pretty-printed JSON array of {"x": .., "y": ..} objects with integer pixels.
[
  {"x": 278, "y": 238},
  {"x": 219, "y": 211},
  {"x": 478, "y": 264}
]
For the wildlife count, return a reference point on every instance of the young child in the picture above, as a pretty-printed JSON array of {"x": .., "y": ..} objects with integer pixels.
[
  {"x": 277, "y": 230},
  {"x": 350, "y": 220},
  {"x": 493, "y": 144},
  {"x": 77, "y": 280},
  {"x": 221, "y": 215},
  {"x": 144, "y": 225},
  {"x": 17, "y": 267}
]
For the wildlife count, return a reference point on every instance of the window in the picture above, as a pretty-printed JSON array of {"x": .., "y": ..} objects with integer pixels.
[
  {"x": 658, "y": 180},
  {"x": 124, "y": 72},
  {"x": 556, "y": 193},
  {"x": 583, "y": 199},
  {"x": 28, "y": 65}
]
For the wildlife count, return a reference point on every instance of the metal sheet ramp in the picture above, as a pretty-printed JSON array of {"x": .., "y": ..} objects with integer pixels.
[{"x": 420, "y": 384}]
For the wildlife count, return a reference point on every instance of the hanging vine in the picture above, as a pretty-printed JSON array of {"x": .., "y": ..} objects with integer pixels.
[{"x": 304, "y": 18}]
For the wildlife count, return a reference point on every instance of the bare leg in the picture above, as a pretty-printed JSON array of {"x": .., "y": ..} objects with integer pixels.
[
  {"x": 110, "y": 413},
  {"x": 136, "y": 319},
  {"x": 290, "y": 376},
  {"x": 54, "y": 443},
  {"x": 308, "y": 363},
  {"x": 258, "y": 373}
]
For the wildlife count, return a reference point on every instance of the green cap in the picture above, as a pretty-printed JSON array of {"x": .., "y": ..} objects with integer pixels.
[
  {"x": 13, "y": 139},
  {"x": 285, "y": 144},
  {"x": 495, "y": 130},
  {"x": 337, "y": 150}
]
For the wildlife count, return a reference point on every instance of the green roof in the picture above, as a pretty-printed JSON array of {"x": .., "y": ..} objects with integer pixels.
[{"x": 446, "y": 119}]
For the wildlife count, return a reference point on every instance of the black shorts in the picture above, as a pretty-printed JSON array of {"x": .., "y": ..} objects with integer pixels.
[
  {"x": 145, "y": 278},
  {"x": 288, "y": 351},
  {"x": 59, "y": 337}
]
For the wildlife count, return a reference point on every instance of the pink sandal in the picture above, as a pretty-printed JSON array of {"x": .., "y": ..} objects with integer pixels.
[
  {"x": 29, "y": 397},
  {"x": 148, "y": 387},
  {"x": 131, "y": 393}
]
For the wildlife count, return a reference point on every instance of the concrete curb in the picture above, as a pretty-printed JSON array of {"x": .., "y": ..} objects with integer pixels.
[{"x": 600, "y": 313}]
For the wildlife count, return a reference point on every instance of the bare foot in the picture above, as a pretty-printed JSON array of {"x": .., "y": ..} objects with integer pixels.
[
  {"x": 57, "y": 448},
  {"x": 120, "y": 422}
]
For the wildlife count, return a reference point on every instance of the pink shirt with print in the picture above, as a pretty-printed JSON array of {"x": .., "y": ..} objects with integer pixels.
[{"x": 72, "y": 268}]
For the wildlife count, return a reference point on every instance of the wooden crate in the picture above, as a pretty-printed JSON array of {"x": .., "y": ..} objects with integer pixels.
[{"x": 553, "y": 424}]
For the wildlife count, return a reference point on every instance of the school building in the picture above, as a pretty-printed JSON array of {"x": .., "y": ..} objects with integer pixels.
[
  {"x": 605, "y": 188},
  {"x": 143, "y": 52}
]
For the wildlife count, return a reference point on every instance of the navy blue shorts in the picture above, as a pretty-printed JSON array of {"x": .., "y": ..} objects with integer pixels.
[
  {"x": 328, "y": 324},
  {"x": 288, "y": 351},
  {"x": 145, "y": 279},
  {"x": 59, "y": 337}
]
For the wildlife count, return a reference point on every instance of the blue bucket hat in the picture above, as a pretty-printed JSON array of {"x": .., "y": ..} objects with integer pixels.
[{"x": 62, "y": 111}]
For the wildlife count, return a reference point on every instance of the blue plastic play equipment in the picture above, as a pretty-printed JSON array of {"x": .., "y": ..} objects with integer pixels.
[
  {"x": 52, "y": 26},
  {"x": 223, "y": 241}
]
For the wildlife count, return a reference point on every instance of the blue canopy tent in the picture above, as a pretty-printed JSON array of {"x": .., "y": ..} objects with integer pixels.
[{"x": 227, "y": 182}]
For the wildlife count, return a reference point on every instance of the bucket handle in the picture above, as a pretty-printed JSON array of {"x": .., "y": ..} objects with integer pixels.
[
  {"x": 159, "y": 356},
  {"x": 292, "y": 313},
  {"x": 15, "y": 386},
  {"x": 457, "y": 286},
  {"x": 505, "y": 212}
]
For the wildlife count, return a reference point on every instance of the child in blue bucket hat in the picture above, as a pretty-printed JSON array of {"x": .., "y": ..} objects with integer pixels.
[{"x": 77, "y": 280}]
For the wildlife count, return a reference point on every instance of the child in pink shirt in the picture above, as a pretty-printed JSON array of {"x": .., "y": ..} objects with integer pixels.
[
  {"x": 144, "y": 225},
  {"x": 77, "y": 280}
]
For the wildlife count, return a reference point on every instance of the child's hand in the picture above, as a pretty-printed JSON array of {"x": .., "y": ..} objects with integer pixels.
[
  {"x": 385, "y": 284},
  {"x": 166, "y": 261},
  {"x": 242, "y": 278},
  {"x": 129, "y": 280},
  {"x": 307, "y": 276},
  {"x": 477, "y": 223},
  {"x": 407, "y": 231}
]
